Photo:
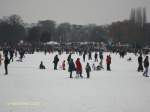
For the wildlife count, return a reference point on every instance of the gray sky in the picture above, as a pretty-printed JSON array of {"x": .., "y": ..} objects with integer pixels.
[{"x": 73, "y": 11}]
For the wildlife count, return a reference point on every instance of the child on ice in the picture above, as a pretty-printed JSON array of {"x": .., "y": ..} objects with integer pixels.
[{"x": 41, "y": 65}]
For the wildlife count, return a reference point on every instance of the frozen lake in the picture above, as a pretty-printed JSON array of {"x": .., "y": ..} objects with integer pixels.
[{"x": 28, "y": 89}]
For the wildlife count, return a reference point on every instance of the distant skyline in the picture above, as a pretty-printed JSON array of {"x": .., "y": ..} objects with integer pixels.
[{"x": 82, "y": 12}]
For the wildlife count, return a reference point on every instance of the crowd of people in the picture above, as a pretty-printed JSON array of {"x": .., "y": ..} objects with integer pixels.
[{"x": 74, "y": 66}]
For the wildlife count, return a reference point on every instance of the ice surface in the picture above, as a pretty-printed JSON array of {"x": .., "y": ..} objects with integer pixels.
[{"x": 28, "y": 89}]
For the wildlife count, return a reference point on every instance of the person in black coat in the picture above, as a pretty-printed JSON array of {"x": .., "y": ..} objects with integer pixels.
[
  {"x": 84, "y": 54},
  {"x": 71, "y": 67},
  {"x": 42, "y": 65},
  {"x": 11, "y": 52},
  {"x": 69, "y": 57},
  {"x": 140, "y": 61},
  {"x": 5, "y": 51},
  {"x": 56, "y": 60},
  {"x": 21, "y": 53},
  {"x": 146, "y": 65},
  {"x": 101, "y": 58},
  {"x": 88, "y": 70},
  {"x": 90, "y": 55},
  {"x": 6, "y": 62},
  {"x": 95, "y": 56}
]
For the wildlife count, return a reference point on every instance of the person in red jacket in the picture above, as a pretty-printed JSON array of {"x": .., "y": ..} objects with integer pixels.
[
  {"x": 79, "y": 68},
  {"x": 108, "y": 62}
]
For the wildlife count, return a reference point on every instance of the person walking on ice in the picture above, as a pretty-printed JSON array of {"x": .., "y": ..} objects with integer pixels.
[
  {"x": 146, "y": 65},
  {"x": 140, "y": 61},
  {"x": 55, "y": 61},
  {"x": 6, "y": 62},
  {"x": 95, "y": 56}
]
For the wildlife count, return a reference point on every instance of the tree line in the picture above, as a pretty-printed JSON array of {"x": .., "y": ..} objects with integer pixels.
[{"x": 134, "y": 30}]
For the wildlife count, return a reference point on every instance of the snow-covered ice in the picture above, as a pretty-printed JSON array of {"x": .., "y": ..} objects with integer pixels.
[{"x": 28, "y": 89}]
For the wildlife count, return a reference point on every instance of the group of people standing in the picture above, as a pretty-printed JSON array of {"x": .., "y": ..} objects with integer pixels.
[
  {"x": 8, "y": 54},
  {"x": 77, "y": 66},
  {"x": 146, "y": 65}
]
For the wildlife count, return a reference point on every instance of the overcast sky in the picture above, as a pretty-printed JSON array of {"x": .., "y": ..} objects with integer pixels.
[{"x": 74, "y": 11}]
